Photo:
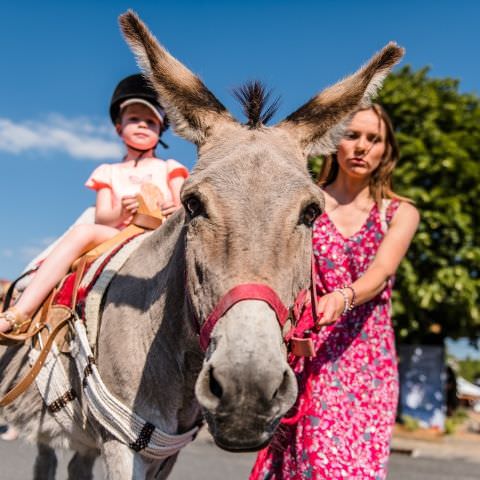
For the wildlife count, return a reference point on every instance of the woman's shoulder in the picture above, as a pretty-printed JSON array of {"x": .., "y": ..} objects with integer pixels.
[{"x": 405, "y": 212}]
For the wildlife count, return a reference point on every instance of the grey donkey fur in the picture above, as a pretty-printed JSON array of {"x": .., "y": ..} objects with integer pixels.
[{"x": 244, "y": 220}]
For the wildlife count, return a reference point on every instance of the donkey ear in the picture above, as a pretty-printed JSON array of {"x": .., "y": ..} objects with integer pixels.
[
  {"x": 190, "y": 106},
  {"x": 319, "y": 124}
]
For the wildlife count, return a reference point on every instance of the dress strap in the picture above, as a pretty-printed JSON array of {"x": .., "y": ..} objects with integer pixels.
[
  {"x": 383, "y": 214},
  {"x": 387, "y": 210}
]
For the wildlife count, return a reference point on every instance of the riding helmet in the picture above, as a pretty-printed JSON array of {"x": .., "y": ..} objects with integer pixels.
[{"x": 135, "y": 87}]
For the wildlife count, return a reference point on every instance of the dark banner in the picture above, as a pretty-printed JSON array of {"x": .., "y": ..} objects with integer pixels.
[{"x": 422, "y": 384}]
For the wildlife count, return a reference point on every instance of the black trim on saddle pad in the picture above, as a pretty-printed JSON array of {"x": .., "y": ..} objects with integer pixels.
[{"x": 143, "y": 439}]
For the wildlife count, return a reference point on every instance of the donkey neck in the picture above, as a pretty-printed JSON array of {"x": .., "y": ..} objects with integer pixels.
[{"x": 148, "y": 352}]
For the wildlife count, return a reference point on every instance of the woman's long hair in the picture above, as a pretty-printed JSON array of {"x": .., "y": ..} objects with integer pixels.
[{"x": 381, "y": 179}]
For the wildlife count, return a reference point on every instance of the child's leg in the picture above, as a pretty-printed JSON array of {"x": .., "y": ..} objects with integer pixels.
[{"x": 78, "y": 241}]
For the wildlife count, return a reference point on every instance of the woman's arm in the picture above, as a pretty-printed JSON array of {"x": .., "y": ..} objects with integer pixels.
[{"x": 389, "y": 255}]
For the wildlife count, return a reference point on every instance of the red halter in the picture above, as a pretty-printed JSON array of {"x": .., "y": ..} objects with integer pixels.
[{"x": 258, "y": 291}]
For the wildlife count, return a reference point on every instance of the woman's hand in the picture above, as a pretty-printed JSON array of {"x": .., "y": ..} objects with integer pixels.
[{"x": 330, "y": 308}]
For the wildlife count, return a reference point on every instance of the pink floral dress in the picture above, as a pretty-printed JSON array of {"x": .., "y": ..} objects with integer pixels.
[{"x": 348, "y": 392}]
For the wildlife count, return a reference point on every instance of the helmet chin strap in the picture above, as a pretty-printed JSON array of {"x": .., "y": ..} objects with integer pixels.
[{"x": 141, "y": 152}]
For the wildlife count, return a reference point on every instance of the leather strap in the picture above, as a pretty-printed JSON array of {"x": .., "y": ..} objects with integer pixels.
[
  {"x": 36, "y": 325},
  {"x": 148, "y": 217},
  {"x": 21, "y": 337},
  {"x": 27, "y": 380},
  {"x": 297, "y": 326},
  {"x": 11, "y": 288},
  {"x": 246, "y": 291},
  {"x": 149, "y": 222},
  {"x": 78, "y": 278}
]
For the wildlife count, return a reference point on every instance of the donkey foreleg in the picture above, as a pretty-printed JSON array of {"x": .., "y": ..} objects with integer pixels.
[
  {"x": 81, "y": 465},
  {"x": 45, "y": 466},
  {"x": 121, "y": 462},
  {"x": 162, "y": 471}
]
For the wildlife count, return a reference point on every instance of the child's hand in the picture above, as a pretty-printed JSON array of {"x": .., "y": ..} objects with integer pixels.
[
  {"x": 168, "y": 208},
  {"x": 129, "y": 206}
]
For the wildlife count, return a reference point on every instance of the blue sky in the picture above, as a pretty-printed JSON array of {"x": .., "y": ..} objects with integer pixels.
[
  {"x": 61, "y": 61},
  {"x": 462, "y": 349}
]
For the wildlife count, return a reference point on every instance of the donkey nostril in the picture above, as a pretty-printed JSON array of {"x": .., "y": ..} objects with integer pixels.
[
  {"x": 283, "y": 387},
  {"x": 215, "y": 387}
]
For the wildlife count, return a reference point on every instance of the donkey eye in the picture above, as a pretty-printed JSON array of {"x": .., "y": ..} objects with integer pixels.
[
  {"x": 193, "y": 206},
  {"x": 309, "y": 214}
]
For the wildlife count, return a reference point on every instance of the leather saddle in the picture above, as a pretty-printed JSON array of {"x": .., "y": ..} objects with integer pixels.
[{"x": 51, "y": 321}]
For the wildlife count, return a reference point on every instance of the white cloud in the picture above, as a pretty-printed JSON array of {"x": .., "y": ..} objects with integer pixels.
[
  {"x": 31, "y": 250},
  {"x": 78, "y": 137},
  {"x": 6, "y": 253},
  {"x": 27, "y": 252}
]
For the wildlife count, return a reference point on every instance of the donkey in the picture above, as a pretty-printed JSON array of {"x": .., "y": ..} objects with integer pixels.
[{"x": 249, "y": 207}]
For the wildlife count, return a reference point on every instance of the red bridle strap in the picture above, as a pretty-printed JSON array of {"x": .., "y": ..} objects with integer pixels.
[{"x": 246, "y": 291}]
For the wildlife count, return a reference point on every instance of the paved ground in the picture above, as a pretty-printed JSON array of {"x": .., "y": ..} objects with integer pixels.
[{"x": 202, "y": 460}]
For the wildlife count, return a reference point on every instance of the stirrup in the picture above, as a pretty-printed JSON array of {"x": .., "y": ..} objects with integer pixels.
[{"x": 17, "y": 320}]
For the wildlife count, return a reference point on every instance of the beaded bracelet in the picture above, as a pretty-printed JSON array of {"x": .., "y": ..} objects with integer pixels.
[
  {"x": 346, "y": 306},
  {"x": 354, "y": 296}
]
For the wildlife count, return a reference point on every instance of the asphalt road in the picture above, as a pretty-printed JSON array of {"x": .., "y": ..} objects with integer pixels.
[{"x": 202, "y": 460}]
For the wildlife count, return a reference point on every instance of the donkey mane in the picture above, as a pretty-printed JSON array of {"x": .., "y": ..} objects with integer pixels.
[{"x": 254, "y": 99}]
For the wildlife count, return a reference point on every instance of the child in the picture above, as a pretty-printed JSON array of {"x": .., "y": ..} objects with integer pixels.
[{"x": 139, "y": 120}]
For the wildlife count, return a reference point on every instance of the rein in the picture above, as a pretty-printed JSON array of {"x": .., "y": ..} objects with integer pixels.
[{"x": 291, "y": 320}]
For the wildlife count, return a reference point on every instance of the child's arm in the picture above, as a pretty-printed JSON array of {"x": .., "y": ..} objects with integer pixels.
[
  {"x": 175, "y": 185},
  {"x": 107, "y": 214},
  {"x": 108, "y": 210}
]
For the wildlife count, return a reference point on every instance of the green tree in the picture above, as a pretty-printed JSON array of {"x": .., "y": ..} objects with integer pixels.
[
  {"x": 438, "y": 129},
  {"x": 469, "y": 369}
]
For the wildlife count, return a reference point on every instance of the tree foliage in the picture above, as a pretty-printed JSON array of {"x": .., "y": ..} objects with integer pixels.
[
  {"x": 438, "y": 130},
  {"x": 469, "y": 369}
]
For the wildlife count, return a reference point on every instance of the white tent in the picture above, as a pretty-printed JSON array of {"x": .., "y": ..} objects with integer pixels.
[{"x": 467, "y": 390}]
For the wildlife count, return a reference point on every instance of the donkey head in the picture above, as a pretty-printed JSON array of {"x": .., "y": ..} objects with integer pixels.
[{"x": 249, "y": 209}]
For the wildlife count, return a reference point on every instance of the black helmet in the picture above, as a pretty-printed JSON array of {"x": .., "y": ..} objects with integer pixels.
[{"x": 135, "y": 86}]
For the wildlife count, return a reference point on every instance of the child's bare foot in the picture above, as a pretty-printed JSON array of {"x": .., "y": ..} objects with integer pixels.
[{"x": 13, "y": 320}]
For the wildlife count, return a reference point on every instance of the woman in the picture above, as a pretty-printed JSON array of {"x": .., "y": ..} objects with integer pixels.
[{"x": 341, "y": 425}]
